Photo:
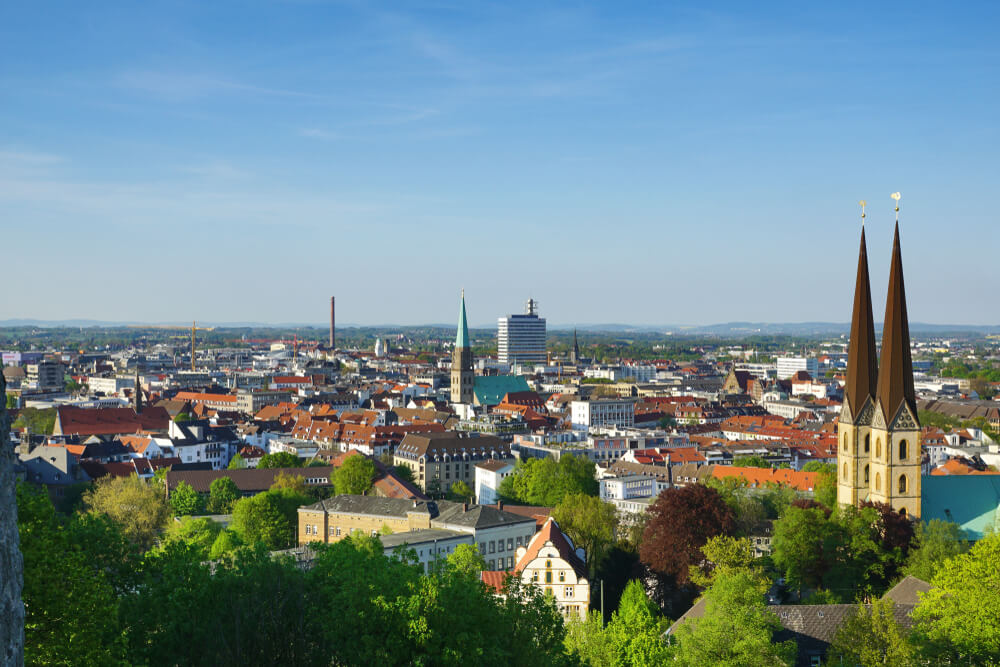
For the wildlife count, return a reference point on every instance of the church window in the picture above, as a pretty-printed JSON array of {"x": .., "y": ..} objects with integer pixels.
[
  {"x": 902, "y": 450},
  {"x": 868, "y": 442},
  {"x": 847, "y": 444},
  {"x": 845, "y": 472},
  {"x": 878, "y": 481},
  {"x": 866, "y": 474},
  {"x": 878, "y": 448},
  {"x": 902, "y": 483}
]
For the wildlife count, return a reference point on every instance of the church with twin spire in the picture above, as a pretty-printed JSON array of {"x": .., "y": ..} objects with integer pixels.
[{"x": 879, "y": 453}]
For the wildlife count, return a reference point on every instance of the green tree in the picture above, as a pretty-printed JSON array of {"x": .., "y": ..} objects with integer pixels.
[
  {"x": 590, "y": 522},
  {"x": 546, "y": 482},
  {"x": 724, "y": 555},
  {"x": 461, "y": 491},
  {"x": 279, "y": 460},
  {"x": 226, "y": 542},
  {"x": 754, "y": 461},
  {"x": 185, "y": 501},
  {"x": 466, "y": 558},
  {"x": 294, "y": 483},
  {"x": 222, "y": 495},
  {"x": 935, "y": 542},
  {"x": 72, "y": 619},
  {"x": 199, "y": 533},
  {"x": 586, "y": 641},
  {"x": 269, "y": 518},
  {"x": 237, "y": 462},
  {"x": 354, "y": 476},
  {"x": 870, "y": 636},
  {"x": 36, "y": 420},
  {"x": 958, "y": 620},
  {"x": 819, "y": 466},
  {"x": 138, "y": 509},
  {"x": 737, "y": 628},
  {"x": 182, "y": 417},
  {"x": 634, "y": 631},
  {"x": 405, "y": 473},
  {"x": 803, "y": 545}
]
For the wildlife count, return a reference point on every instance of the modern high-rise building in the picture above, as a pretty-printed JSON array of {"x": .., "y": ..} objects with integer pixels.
[
  {"x": 789, "y": 366},
  {"x": 879, "y": 455},
  {"x": 521, "y": 338}
]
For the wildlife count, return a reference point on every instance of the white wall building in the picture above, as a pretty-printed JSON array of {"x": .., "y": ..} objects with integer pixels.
[
  {"x": 489, "y": 475},
  {"x": 603, "y": 413},
  {"x": 789, "y": 366}
]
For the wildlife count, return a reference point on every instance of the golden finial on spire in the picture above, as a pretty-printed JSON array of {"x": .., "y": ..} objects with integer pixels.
[
  {"x": 863, "y": 204},
  {"x": 896, "y": 196}
]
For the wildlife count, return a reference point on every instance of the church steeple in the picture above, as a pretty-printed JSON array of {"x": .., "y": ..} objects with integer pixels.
[
  {"x": 862, "y": 371},
  {"x": 462, "y": 373},
  {"x": 575, "y": 354},
  {"x": 895, "y": 382}
]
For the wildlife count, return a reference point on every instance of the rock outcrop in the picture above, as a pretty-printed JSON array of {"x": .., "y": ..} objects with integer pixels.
[{"x": 11, "y": 565}]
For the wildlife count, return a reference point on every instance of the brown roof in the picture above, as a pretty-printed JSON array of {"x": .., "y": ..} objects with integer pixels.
[
  {"x": 862, "y": 371},
  {"x": 895, "y": 380},
  {"x": 247, "y": 480},
  {"x": 906, "y": 591},
  {"x": 110, "y": 421}
]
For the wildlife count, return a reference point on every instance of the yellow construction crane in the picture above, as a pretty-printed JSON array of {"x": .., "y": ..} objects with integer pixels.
[{"x": 194, "y": 328}]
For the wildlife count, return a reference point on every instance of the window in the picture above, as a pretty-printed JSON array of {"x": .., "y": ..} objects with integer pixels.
[
  {"x": 500, "y": 546},
  {"x": 568, "y": 592},
  {"x": 878, "y": 448},
  {"x": 902, "y": 450},
  {"x": 845, "y": 472},
  {"x": 878, "y": 481},
  {"x": 510, "y": 562},
  {"x": 866, "y": 474},
  {"x": 510, "y": 544},
  {"x": 307, "y": 529},
  {"x": 868, "y": 442},
  {"x": 493, "y": 565},
  {"x": 548, "y": 577},
  {"x": 562, "y": 576},
  {"x": 482, "y": 547},
  {"x": 847, "y": 446},
  {"x": 902, "y": 483},
  {"x": 493, "y": 546},
  {"x": 338, "y": 531},
  {"x": 331, "y": 531}
]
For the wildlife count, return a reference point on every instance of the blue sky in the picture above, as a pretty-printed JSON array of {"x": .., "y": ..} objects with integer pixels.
[{"x": 656, "y": 163}]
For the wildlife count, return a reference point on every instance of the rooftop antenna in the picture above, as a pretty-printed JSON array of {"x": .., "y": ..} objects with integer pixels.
[{"x": 896, "y": 196}]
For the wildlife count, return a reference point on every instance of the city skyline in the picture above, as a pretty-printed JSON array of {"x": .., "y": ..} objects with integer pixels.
[{"x": 172, "y": 154}]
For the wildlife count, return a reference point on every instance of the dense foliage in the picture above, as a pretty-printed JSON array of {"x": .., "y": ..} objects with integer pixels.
[{"x": 546, "y": 482}]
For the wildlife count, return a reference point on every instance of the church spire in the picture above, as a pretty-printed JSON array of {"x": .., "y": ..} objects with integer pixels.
[
  {"x": 895, "y": 381},
  {"x": 862, "y": 372},
  {"x": 462, "y": 335},
  {"x": 576, "y": 348}
]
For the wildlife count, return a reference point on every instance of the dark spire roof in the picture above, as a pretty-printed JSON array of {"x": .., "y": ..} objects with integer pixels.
[
  {"x": 895, "y": 381},
  {"x": 862, "y": 371}
]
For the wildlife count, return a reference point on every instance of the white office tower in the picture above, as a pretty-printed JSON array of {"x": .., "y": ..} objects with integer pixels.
[
  {"x": 521, "y": 338},
  {"x": 789, "y": 366}
]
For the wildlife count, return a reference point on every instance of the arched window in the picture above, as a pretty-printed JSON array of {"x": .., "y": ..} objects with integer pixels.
[
  {"x": 845, "y": 472},
  {"x": 878, "y": 481},
  {"x": 902, "y": 450},
  {"x": 902, "y": 512},
  {"x": 868, "y": 442},
  {"x": 902, "y": 483},
  {"x": 878, "y": 448},
  {"x": 866, "y": 474},
  {"x": 847, "y": 444}
]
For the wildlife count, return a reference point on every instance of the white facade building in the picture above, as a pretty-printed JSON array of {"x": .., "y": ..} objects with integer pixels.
[
  {"x": 628, "y": 487},
  {"x": 789, "y": 366},
  {"x": 489, "y": 475},
  {"x": 603, "y": 413},
  {"x": 521, "y": 338}
]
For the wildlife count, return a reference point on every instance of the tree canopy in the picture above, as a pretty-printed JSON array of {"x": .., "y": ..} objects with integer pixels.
[
  {"x": 222, "y": 495},
  {"x": 269, "y": 518},
  {"x": 138, "y": 509},
  {"x": 590, "y": 522},
  {"x": 354, "y": 476},
  {"x": 934, "y": 543},
  {"x": 279, "y": 460},
  {"x": 546, "y": 482},
  {"x": 681, "y": 521},
  {"x": 185, "y": 501}
]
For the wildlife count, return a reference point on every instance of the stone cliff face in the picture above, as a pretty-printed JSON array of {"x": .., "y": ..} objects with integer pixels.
[{"x": 11, "y": 566}]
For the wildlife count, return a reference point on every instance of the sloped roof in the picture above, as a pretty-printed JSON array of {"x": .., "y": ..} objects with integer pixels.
[
  {"x": 895, "y": 378},
  {"x": 907, "y": 591},
  {"x": 490, "y": 389},
  {"x": 110, "y": 421},
  {"x": 552, "y": 534}
]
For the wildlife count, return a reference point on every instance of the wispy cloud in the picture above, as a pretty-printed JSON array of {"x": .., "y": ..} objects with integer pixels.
[
  {"x": 215, "y": 170},
  {"x": 179, "y": 86},
  {"x": 29, "y": 158}
]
